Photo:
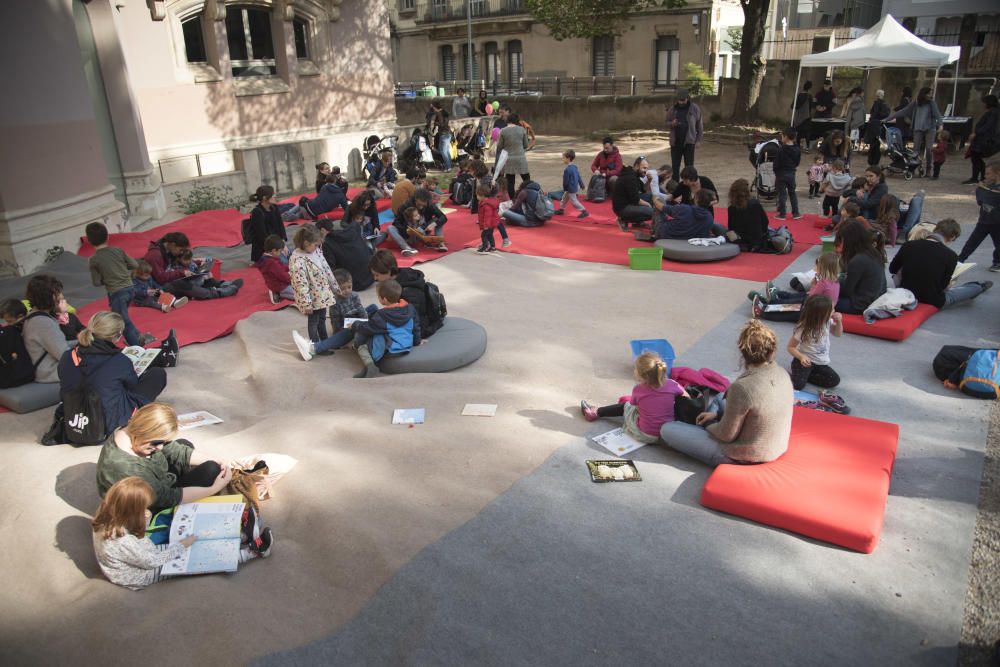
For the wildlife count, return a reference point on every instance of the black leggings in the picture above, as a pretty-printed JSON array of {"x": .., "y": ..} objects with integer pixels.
[
  {"x": 152, "y": 383},
  {"x": 978, "y": 165},
  {"x": 203, "y": 474},
  {"x": 616, "y": 410},
  {"x": 821, "y": 376},
  {"x": 510, "y": 182}
]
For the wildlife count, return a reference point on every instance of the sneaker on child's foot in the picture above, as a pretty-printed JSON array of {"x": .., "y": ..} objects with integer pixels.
[
  {"x": 589, "y": 411},
  {"x": 834, "y": 402},
  {"x": 273, "y": 297},
  {"x": 263, "y": 544},
  {"x": 238, "y": 283},
  {"x": 441, "y": 247},
  {"x": 482, "y": 250},
  {"x": 165, "y": 308},
  {"x": 305, "y": 347},
  {"x": 178, "y": 303},
  {"x": 757, "y": 307},
  {"x": 797, "y": 216},
  {"x": 583, "y": 214},
  {"x": 558, "y": 211},
  {"x": 371, "y": 371},
  {"x": 753, "y": 294},
  {"x": 507, "y": 243},
  {"x": 146, "y": 338},
  {"x": 986, "y": 285},
  {"x": 780, "y": 216},
  {"x": 770, "y": 291},
  {"x": 995, "y": 268},
  {"x": 408, "y": 252}
]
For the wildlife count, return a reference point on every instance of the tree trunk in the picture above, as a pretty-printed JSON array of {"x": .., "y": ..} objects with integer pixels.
[{"x": 751, "y": 64}]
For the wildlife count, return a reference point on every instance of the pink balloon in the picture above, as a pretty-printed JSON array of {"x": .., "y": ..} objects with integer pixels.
[
  {"x": 489, "y": 109},
  {"x": 496, "y": 133}
]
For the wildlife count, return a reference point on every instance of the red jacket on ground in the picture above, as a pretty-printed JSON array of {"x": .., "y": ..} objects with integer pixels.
[
  {"x": 275, "y": 273},
  {"x": 609, "y": 164},
  {"x": 488, "y": 216}
]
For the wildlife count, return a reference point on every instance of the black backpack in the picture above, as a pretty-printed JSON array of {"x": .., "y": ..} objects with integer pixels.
[
  {"x": 245, "y": 231},
  {"x": 462, "y": 193},
  {"x": 83, "y": 412},
  {"x": 436, "y": 309},
  {"x": 687, "y": 408},
  {"x": 16, "y": 368}
]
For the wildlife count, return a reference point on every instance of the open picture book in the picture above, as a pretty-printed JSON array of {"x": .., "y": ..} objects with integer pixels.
[
  {"x": 140, "y": 357},
  {"x": 216, "y": 522}
]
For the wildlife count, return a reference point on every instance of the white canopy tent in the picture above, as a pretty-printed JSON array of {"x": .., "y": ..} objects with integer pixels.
[{"x": 885, "y": 44}]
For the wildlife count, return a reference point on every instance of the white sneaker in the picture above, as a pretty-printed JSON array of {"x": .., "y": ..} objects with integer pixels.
[
  {"x": 180, "y": 302},
  {"x": 305, "y": 347},
  {"x": 273, "y": 297},
  {"x": 409, "y": 252},
  {"x": 507, "y": 243}
]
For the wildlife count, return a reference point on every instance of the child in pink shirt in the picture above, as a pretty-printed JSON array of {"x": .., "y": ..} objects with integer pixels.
[
  {"x": 780, "y": 306},
  {"x": 651, "y": 404}
]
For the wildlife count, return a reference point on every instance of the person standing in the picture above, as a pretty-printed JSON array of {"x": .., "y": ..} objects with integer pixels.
[
  {"x": 985, "y": 139},
  {"x": 825, "y": 100},
  {"x": 925, "y": 117},
  {"x": 904, "y": 123},
  {"x": 437, "y": 123},
  {"x": 686, "y": 129},
  {"x": 879, "y": 112},
  {"x": 461, "y": 106},
  {"x": 802, "y": 114},
  {"x": 514, "y": 140},
  {"x": 854, "y": 116}
]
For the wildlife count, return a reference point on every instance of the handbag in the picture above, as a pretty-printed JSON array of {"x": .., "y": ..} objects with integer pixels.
[{"x": 698, "y": 399}]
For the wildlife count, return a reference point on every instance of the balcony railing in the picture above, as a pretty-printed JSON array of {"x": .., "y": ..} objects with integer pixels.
[
  {"x": 563, "y": 86},
  {"x": 440, "y": 11}
]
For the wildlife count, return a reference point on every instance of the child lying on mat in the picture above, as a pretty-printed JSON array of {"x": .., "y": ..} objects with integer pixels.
[
  {"x": 651, "y": 404},
  {"x": 781, "y": 306}
]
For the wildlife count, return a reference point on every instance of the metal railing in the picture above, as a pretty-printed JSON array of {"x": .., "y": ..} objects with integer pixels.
[
  {"x": 176, "y": 169},
  {"x": 574, "y": 86},
  {"x": 438, "y": 11}
]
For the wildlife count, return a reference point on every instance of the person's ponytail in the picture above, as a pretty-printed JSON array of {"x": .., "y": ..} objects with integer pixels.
[{"x": 103, "y": 325}]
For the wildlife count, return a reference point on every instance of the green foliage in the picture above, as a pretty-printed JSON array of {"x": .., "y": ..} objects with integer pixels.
[
  {"x": 697, "y": 80},
  {"x": 734, "y": 38},
  {"x": 567, "y": 19},
  {"x": 206, "y": 198}
]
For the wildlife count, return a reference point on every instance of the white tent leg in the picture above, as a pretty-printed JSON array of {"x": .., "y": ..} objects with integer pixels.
[
  {"x": 954, "y": 93},
  {"x": 798, "y": 79},
  {"x": 934, "y": 88}
]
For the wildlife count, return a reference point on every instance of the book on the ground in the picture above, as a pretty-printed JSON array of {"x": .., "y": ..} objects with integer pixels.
[
  {"x": 782, "y": 307},
  {"x": 196, "y": 419},
  {"x": 618, "y": 442},
  {"x": 217, "y": 525},
  {"x": 806, "y": 278},
  {"x": 140, "y": 357},
  {"x": 166, "y": 299},
  {"x": 408, "y": 416},
  {"x": 613, "y": 471},
  {"x": 348, "y": 321},
  {"x": 479, "y": 410},
  {"x": 960, "y": 268}
]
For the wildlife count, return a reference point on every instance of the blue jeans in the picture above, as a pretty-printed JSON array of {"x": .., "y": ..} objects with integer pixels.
[
  {"x": 338, "y": 340},
  {"x": 965, "y": 292},
  {"x": 515, "y": 219},
  {"x": 398, "y": 237},
  {"x": 912, "y": 215},
  {"x": 118, "y": 302},
  {"x": 694, "y": 441},
  {"x": 444, "y": 145}
]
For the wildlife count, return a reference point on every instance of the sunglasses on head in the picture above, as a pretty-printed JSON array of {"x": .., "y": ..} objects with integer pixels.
[{"x": 158, "y": 443}]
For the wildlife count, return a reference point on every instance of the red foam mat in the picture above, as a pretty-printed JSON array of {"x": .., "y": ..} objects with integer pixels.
[
  {"x": 831, "y": 484},
  {"x": 208, "y": 228},
  {"x": 892, "y": 328},
  {"x": 200, "y": 321}
]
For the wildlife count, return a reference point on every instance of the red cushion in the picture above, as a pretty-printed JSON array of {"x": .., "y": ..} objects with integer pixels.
[
  {"x": 892, "y": 328},
  {"x": 830, "y": 485}
]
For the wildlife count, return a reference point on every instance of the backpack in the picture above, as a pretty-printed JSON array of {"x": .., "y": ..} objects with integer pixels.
[
  {"x": 982, "y": 375},
  {"x": 16, "y": 368},
  {"x": 462, "y": 192},
  {"x": 699, "y": 398},
  {"x": 245, "y": 231},
  {"x": 597, "y": 188},
  {"x": 781, "y": 240},
  {"x": 83, "y": 412},
  {"x": 542, "y": 207},
  {"x": 435, "y": 309}
]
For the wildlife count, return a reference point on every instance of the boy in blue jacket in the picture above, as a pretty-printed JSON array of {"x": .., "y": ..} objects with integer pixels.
[
  {"x": 572, "y": 182},
  {"x": 390, "y": 330},
  {"x": 683, "y": 221}
]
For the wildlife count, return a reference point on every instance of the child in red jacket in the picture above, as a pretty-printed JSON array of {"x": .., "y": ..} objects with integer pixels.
[
  {"x": 275, "y": 272},
  {"x": 489, "y": 217},
  {"x": 940, "y": 151}
]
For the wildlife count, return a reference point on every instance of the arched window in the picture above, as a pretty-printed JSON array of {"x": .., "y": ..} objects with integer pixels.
[
  {"x": 515, "y": 62},
  {"x": 251, "y": 46}
]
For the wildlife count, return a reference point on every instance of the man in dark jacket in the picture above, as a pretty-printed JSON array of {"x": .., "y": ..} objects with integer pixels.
[
  {"x": 626, "y": 200},
  {"x": 825, "y": 100},
  {"x": 691, "y": 183},
  {"x": 785, "y": 163},
  {"x": 330, "y": 196},
  {"x": 432, "y": 220},
  {"x": 926, "y": 267},
  {"x": 346, "y": 248}
]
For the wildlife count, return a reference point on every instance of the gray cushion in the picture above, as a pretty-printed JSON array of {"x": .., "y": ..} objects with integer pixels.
[
  {"x": 30, "y": 397},
  {"x": 457, "y": 343},
  {"x": 680, "y": 250}
]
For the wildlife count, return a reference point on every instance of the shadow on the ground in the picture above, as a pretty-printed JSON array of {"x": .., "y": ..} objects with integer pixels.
[
  {"x": 74, "y": 538},
  {"x": 77, "y": 485}
]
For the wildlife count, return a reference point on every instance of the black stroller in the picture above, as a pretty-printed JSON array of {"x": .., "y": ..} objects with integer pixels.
[
  {"x": 902, "y": 160},
  {"x": 762, "y": 154},
  {"x": 410, "y": 153},
  {"x": 372, "y": 150}
]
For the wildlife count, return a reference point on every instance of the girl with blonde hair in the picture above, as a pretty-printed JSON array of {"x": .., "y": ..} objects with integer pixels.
[
  {"x": 754, "y": 419},
  {"x": 651, "y": 404}
]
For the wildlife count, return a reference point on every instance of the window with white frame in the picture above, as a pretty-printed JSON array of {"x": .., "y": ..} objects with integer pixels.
[
  {"x": 667, "y": 60},
  {"x": 194, "y": 40},
  {"x": 251, "y": 45},
  {"x": 300, "y": 28},
  {"x": 604, "y": 56}
]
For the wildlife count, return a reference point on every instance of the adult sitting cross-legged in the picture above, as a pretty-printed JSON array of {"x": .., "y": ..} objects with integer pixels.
[
  {"x": 608, "y": 163},
  {"x": 627, "y": 202},
  {"x": 164, "y": 257},
  {"x": 428, "y": 219},
  {"x": 747, "y": 218}
]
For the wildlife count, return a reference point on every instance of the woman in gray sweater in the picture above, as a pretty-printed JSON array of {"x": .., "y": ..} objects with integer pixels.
[
  {"x": 514, "y": 140},
  {"x": 43, "y": 339},
  {"x": 756, "y": 416}
]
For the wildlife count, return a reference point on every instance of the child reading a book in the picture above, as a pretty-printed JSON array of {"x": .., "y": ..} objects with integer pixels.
[
  {"x": 149, "y": 293},
  {"x": 126, "y": 556},
  {"x": 347, "y": 306},
  {"x": 312, "y": 281},
  {"x": 651, "y": 404},
  {"x": 112, "y": 268},
  {"x": 810, "y": 344},
  {"x": 274, "y": 270},
  {"x": 393, "y": 329},
  {"x": 781, "y": 306}
]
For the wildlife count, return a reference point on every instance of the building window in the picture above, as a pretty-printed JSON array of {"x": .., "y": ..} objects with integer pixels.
[
  {"x": 515, "y": 62},
  {"x": 447, "y": 63},
  {"x": 194, "y": 40},
  {"x": 604, "y": 56},
  {"x": 464, "y": 74},
  {"x": 407, "y": 5},
  {"x": 667, "y": 60},
  {"x": 301, "y": 29},
  {"x": 251, "y": 48},
  {"x": 477, "y": 7},
  {"x": 439, "y": 9},
  {"x": 492, "y": 62}
]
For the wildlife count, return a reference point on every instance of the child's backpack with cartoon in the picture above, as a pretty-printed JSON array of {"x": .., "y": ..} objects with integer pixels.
[
  {"x": 982, "y": 375},
  {"x": 16, "y": 368},
  {"x": 435, "y": 310},
  {"x": 597, "y": 188}
]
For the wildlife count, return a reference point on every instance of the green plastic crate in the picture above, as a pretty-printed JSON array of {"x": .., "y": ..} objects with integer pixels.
[
  {"x": 645, "y": 259},
  {"x": 829, "y": 244},
  {"x": 427, "y": 91}
]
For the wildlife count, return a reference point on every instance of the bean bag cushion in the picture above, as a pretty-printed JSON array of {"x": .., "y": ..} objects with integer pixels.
[
  {"x": 680, "y": 250},
  {"x": 30, "y": 397},
  {"x": 457, "y": 343},
  {"x": 893, "y": 328},
  {"x": 830, "y": 485}
]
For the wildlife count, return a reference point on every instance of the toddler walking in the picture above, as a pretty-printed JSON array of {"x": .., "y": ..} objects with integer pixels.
[
  {"x": 572, "y": 182},
  {"x": 810, "y": 344},
  {"x": 489, "y": 218},
  {"x": 651, "y": 404},
  {"x": 940, "y": 152}
]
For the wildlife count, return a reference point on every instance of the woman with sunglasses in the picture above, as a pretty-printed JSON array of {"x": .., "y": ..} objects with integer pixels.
[{"x": 147, "y": 448}]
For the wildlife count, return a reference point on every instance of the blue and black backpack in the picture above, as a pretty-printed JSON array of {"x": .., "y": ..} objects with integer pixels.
[{"x": 982, "y": 375}]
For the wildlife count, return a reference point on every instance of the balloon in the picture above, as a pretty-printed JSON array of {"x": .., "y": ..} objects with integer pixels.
[
  {"x": 496, "y": 106},
  {"x": 495, "y": 134},
  {"x": 489, "y": 109}
]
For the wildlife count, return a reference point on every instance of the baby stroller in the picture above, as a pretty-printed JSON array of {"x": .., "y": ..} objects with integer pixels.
[
  {"x": 415, "y": 150},
  {"x": 762, "y": 154},
  {"x": 372, "y": 150},
  {"x": 902, "y": 160}
]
